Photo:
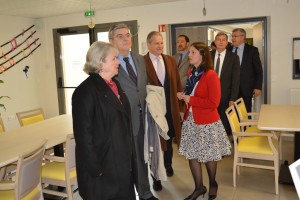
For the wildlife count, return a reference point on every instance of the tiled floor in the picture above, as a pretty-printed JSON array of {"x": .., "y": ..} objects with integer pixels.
[{"x": 252, "y": 184}]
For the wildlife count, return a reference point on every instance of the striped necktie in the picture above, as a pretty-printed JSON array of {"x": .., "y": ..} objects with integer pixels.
[{"x": 130, "y": 71}]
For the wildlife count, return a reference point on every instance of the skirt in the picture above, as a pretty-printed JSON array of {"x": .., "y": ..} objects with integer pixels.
[{"x": 204, "y": 142}]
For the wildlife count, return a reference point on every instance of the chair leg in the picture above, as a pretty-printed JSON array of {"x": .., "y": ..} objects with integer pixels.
[
  {"x": 234, "y": 170},
  {"x": 238, "y": 167},
  {"x": 276, "y": 172},
  {"x": 69, "y": 189}
]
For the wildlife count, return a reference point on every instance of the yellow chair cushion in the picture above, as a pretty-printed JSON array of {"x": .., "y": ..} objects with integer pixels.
[
  {"x": 254, "y": 129},
  {"x": 55, "y": 170},
  {"x": 33, "y": 119},
  {"x": 258, "y": 145},
  {"x": 9, "y": 194}
]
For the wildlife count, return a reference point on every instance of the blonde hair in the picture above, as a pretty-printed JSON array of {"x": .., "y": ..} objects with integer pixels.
[{"x": 96, "y": 55}]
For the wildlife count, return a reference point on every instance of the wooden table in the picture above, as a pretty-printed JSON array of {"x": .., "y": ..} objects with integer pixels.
[
  {"x": 17, "y": 141},
  {"x": 279, "y": 117},
  {"x": 282, "y": 118}
]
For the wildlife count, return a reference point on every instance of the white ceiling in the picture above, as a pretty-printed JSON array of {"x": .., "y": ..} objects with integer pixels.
[{"x": 47, "y": 8}]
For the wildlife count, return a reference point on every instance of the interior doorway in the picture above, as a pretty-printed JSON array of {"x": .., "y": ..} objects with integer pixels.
[
  {"x": 70, "y": 48},
  {"x": 256, "y": 29}
]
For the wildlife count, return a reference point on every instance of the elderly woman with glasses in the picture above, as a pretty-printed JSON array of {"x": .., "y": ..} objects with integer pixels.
[
  {"x": 102, "y": 129},
  {"x": 204, "y": 139}
]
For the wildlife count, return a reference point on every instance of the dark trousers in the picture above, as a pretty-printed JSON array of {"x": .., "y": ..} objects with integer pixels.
[
  {"x": 221, "y": 109},
  {"x": 248, "y": 103},
  {"x": 168, "y": 154}
]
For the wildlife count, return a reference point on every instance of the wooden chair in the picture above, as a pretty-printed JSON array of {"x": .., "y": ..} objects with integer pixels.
[
  {"x": 31, "y": 116},
  {"x": 27, "y": 184},
  {"x": 242, "y": 111},
  {"x": 2, "y": 128},
  {"x": 61, "y": 171},
  {"x": 244, "y": 117},
  {"x": 9, "y": 171},
  {"x": 252, "y": 145}
]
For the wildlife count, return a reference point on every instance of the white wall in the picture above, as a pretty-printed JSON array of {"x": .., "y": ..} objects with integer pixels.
[
  {"x": 22, "y": 91},
  {"x": 283, "y": 27}
]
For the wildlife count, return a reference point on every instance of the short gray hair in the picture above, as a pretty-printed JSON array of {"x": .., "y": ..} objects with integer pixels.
[
  {"x": 96, "y": 56},
  {"x": 115, "y": 27},
  {"x": 241, "y": 30},
  {"x": 151, "y": 35},
  {"x": 221, "y": 33}
]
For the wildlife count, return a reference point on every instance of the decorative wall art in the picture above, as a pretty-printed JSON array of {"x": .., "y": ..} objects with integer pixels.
[{"x": 18, "y": 48}]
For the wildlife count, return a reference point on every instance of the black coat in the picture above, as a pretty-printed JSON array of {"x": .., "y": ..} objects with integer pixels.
[
  {"x": 103, "y": 134},
  {"x": 251, "y": 71},
  {"x": 230, "y": 77},
  {"x": 230, "y": 84}
]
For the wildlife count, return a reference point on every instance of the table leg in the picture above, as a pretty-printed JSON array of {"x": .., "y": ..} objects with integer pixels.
[
  {"x": 59, "y": 150},
  {"x": 297, "y": 146}
]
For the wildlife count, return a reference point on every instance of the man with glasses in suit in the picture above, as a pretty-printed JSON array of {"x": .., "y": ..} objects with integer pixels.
[
  {"x": 251, "y": 73},
  {"x": 133, "y": 79}
]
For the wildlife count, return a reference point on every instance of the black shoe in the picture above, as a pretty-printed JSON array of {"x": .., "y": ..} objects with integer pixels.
[
  {"x": 213, "y": 196},
  {"x": 170, "y": 172},
  {"x": 151, "y": 198},
  {"x": 196, "y": 194},
  {"x": 157, "y": 186}
]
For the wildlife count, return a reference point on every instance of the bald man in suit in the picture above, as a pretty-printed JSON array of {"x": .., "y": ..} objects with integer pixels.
[{"x": 162, "y": 71}]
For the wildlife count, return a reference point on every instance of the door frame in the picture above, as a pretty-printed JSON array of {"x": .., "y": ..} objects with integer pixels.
[
  {"x": 57, "y": 33},
  {"x": 264, "y": 20}
]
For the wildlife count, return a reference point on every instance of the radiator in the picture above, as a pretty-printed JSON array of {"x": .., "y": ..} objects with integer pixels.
[{"x": 295, "y": 96}]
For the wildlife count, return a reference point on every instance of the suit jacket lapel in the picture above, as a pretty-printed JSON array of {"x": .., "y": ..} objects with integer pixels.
[
  {"x": 124, "y": 73},
  {"x": 184, "y": 60},
  {"x": 168, "y": 66},
  {"x": 136, "y": 63},
  {"x": 151, "y": 71},
  {"x": 226, "y": 60},
  {"x": 245, "y": 52}
]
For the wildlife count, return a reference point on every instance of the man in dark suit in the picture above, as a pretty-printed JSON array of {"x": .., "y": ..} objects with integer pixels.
[
  {"x": 162, "y": 71},
  {"x": 133, "y": 79},
  {"x": 227, "y": 66},
  {"x": 251, "y": 68}
]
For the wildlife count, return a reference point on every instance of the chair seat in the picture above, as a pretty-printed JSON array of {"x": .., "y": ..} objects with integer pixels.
[
  {"x": 55, "y": 170},
  {"x": 258, "y": 145},
  {"x": 9, "y": 194},
  {"x": 253, "y": 129}
]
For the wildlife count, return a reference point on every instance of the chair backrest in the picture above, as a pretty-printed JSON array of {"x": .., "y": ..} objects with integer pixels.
[
  {"x": 28, "y": 174},
  {"x": 70, "y": 155},
  {"x": 233, "y": 119},
  {"x": 31, "y": 116},
  {"x": 241, "y": 109},
  {"x": 2, "y": 129}
]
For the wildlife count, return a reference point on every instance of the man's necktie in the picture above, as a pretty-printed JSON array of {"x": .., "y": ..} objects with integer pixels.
[
  {"x": 235, "y": 50},
  {"x": 218, "y": 64},
  {"x": 160, "y": 71},
  {"x": 130, "y": 70},
  {"x": 180, "y": 59}
]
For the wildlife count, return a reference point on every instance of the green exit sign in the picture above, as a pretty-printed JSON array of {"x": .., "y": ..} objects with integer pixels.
[{"x": 89, "y": 13}]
